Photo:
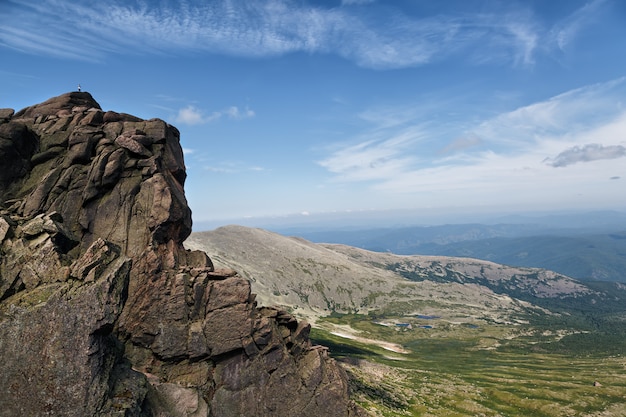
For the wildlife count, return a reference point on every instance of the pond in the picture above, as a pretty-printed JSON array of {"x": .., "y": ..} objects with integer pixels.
[{"x": 420, "y": 316}]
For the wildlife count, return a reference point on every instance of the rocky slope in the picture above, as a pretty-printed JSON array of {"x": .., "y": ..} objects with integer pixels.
[
  {"x": 103, "y": 312},
  {"x": 316, "y": 279}
]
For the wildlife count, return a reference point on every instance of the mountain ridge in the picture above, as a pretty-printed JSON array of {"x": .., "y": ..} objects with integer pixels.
[
  {"x": 590, "y": 251},
  {"x": 327, "y": 278}
]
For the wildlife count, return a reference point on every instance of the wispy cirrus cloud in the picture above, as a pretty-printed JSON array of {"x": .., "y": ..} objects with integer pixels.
[
  {"x": 374, "y": 159},
  {"x": 463, "y": 142},
  {"x": 514, "y": 152},
  {"x": 233, "y": 167},
  {"x": 91, "y": 30},
  {"x": 576, "y": 110},
  {"x": 566, "y": 30},
  {"x": 191, "y": 115}
]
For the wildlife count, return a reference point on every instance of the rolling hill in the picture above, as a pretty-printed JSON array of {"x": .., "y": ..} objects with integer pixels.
[{"x": 316, "y": 280}]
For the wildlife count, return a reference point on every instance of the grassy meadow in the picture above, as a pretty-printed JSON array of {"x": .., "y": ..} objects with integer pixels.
[{"x": 481, "y": 369}]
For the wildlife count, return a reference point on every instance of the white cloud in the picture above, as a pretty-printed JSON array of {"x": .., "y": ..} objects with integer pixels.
[
  {"x": 586, "y": 153},
  {"x": 502, "y": 158},
  {"x": 374, "y": 159},
  {"x": 234, "y": 113},
  {"x": 219, "y": 170},
  {"x": 192, "y": 116},
  {"x": 463, "y": 142},
  {"x": 231, "y": 167},
  {"x": 562, "y": 115},
  {"x": 526, "y": 38},
  {"x": 189, "y": 115},
  {"x": 390, "y": 39},
  {"x": 565, "y": 31}
]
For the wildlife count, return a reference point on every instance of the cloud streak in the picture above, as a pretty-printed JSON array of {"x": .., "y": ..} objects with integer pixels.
[
  {"x": 91, "y": 30},
  {"x": 462, "y": 143},
  {"x": 496, "y": 157},
  {"x": 233, "y": 167},
  {"x": 565, "y": 31},
  {"x": 586, "y": 153},
  {"x": 374, "y": 159},
  {"x": 558, "y": 116}
]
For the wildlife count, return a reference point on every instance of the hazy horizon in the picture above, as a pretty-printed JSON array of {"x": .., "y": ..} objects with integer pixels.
[{"x": 374, "y": 219}]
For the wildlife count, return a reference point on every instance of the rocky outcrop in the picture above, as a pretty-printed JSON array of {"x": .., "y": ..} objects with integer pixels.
[{"x": 102, "y": 310}]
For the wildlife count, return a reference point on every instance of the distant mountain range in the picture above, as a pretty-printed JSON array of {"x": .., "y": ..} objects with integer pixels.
[
  {"x": 594, "y": 250},
  {"x": 316, "y": 280}
]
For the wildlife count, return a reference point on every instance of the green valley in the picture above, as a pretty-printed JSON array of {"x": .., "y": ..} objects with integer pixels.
[{"x": 474, "y": 370}]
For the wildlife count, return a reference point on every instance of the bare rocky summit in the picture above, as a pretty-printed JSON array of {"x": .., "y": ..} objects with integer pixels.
[{"x": 103, "y": 312}]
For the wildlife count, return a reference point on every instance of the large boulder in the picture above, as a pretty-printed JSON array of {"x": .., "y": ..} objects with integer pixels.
[{"x": 102, "y": 310}]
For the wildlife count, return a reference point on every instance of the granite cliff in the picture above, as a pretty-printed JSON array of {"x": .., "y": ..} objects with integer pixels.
[{"x": 103, "y": 312}]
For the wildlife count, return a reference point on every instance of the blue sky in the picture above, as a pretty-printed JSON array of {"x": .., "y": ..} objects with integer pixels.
[{"x": 301, "y": 107}]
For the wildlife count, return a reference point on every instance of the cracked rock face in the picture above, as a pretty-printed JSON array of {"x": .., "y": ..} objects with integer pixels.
[{"x": 102, "y": 310}]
